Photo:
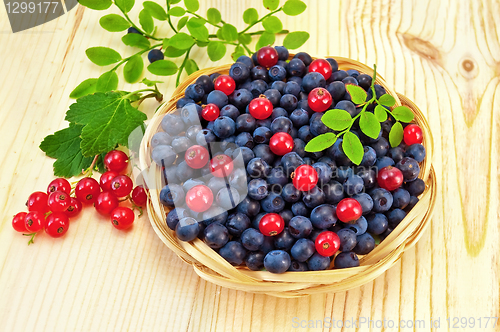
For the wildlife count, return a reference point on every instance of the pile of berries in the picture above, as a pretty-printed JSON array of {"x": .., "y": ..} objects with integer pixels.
[
  {"x": 51, "y": 211},
  {"x": 237, "y": 175}
]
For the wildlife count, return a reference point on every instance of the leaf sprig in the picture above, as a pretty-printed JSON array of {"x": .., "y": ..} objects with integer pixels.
[{"x": 341, "y": 122}]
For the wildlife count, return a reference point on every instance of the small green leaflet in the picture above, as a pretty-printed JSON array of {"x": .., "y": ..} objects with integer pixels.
[
  {"x": 198, "y": 29},
  {"x": 195, "y": 22},
  {"x": 294, "y": 7},
  {"x": 369, "y": 125},
  {"x": 173, "y": 2},
  {"x": 125, "y": 5},
  {"x": 64, "y": 145},
  {"x": 192, "y": 5},
  {"x": 213, "y": 15},
  {"x": 155, "y": 10},
  {"x": 107, "y": 119},
  {"x": 107, "y": 82},
  {"x": 245, "y": 38},
  {"x": 177, "y": 11},
  {"x": 163, "y": 68},
  {"x": 358, "y": 94},
  {"x": 114, "y": 23},
  {"x": 396, "y": 134},
  {"x": 380, "y": 113},
  {"x": 337, "y": 119},
  {"x": 271, "y": 4},
  {"x": 403, "y": 114},
  {"x": 272, "y": 24},
  {"x": 86, "y": 87},
  {"x": 321, "y": 142},
  {"x": 132, "y": 71},
  {"x": 250, "y": 16},
  {"x": 96, "y": 4},
  {"x": 172, "y": 52},
  {"x": 191, "y": 66},
  {"x": 136, "y": 40},
  {"x": 149, "y": 83},
  {"x": 182, "y": 22},
  {"x": 103, "y": 56},
  {"x": 146, "y": 21},
  {"x": 216, "y": 50},
  {"x": 352, "y": 147},
  {"x": 238, "y": 51},
  {"x": 181, "y": 41},
  {"x": 265, "y": 39},
  {"x": 387, "y": 100},
  {"x": 229, "y": 32},
  {"x": 296, "y": 39}
]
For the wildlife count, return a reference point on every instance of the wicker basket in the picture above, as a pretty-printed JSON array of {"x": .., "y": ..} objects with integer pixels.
[{"x": 209, "y": 265}]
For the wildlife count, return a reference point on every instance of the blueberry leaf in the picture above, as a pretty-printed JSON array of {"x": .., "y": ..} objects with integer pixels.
[
  {"x": 272, "y": 24},
  {"x": 163, "y": 68},
  {"x": 103, "y": 56},
  {"x": 369, "y": 124},
  {"x": 136, "y": 40},
  {"x": 238, "y": 51},
  {"x": 114, "y": 23},
  {"x": 107, "y": 82},
  {"x": 380, "y": 113},
  {"x": 321, "y": 142},
  {"x": 352, "y": 147},
  {"x": 357, "y": 93},
  {"x": 173, "y": 2},
  {"x": 396, "y": 134},
  {"x": 182, "y": 23},
  {"x": 148, "y": 82},
  {"x": 177, "y": 11},
  {"x": 229, "y": 32},
  {"x": 172, "y": 52},
  {"x": 245, "y": 38},
  {"x": 216, "y": 50},
  {"x": 294, "y": 7},
  {"x": 337, "y": 119},
  {"x": 296, "y": 39},
  {"x": 403, "y": 114},
  {"x": 155, "y": 10},
  {"x": 125, "y": 5},
  {"x": 192, "y": 5},
  {"x": 181, "y": 41},
  {"x": 271, "y": 4},
  {"x": 146, "y": 21},
  {"x": 86, "y": 87},
  {"x": 96, "y": 4},
  {"x": 250, "y": 16},
  {"x": 213, "y": 15},
  {"x": 132, "y": 71},
  {"x": 265, "y": 39},
  {"x": 191, "y": 66},
  {"x": 199, "y": 32},
  {"x": 387, "y": 100}
]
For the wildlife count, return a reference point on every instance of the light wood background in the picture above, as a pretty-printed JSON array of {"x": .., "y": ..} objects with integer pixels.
[{"x": 445, "y": 55}]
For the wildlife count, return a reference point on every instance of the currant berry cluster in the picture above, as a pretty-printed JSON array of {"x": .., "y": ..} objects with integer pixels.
[
  {"x": 52, "y": 210},
  {"x": 238, "y": 176}
]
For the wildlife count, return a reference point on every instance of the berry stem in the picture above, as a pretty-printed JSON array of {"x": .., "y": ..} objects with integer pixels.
[
  {"x": 169, "y": 18},
  {"x": 32, "y": 235},
  {"x": 138, "y": 53},
  {"x": 181, "y": 68},
  {"x": 261, "y": 19},
  {"x": 88, "y": 172},
  {"x": 136, "y": 27},
  {"x": 200, "y": 17}
]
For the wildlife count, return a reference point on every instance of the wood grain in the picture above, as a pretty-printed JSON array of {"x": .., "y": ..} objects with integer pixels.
[{"x": 444, "y": 55}]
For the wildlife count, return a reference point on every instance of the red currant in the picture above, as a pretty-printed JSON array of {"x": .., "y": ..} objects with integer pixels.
[
  {"x": 74, "y": 208},
  {"x": 267, "y": 56},
  {"x": 210, "y": 112},
  {"x": 271, "y": 224},
  {"x": 121, "y": 186},
  {"x": 116, "y": 161},
  {"x": 225, "y": 83},
  {"x": 196, "y": 156},
  {"x": 106, "y": 202},
  {"x": 87, "y": 190},
  {"x": 319, "y": 99},
  {"x": 34, "y": 221},
  {"x": 105, "y": 180},
  {"x": 327, "y": 243},
  {"x": 57, "y": 224},
  {"x": 413, "y": 134},
  {"x": 122, "y": 217},
  {"x": 18, "y": 222},
  {"x": 58, "y": 201},
  {"x": 349, "y": 210},
  {"x": 38, "y": 202},
  {"x": 221, "y": 165},
  {"x": 139, "y": 196},
  {"x": 260, "y": 108},
  {"x": 304, "y": 178},
  {"x": 59, "y": 184},
  {"x": 390, "y": 178},
  {"x": 281, "y": 143},
  {"x": 321, "y": 66},
  {"x": 199, "y": 198}
]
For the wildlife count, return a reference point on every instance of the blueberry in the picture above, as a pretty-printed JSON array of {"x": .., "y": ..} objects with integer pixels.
[
  {"x": 175, "y": 215},
  {"x": 333, "y": 191},
  {"x": 246, "y": 60},
  {"x": 296, "y": 67},
  {"x": 263, "y": 151},
  {"x": 299, "y": 147},
  {"x": 316, "y": 126},
  {"x": 401, "y": 198},
  {"x": 313, "y": 80},
  {"x": 339, "y": 75},
  {"x": 415, "y": 188},
  {"x": 161, "y": 138},
  {"x": 333, "y": 63},
  {"x": 169, "y": 174},
  {"x": 215, "y": 184},
  {"x": 273, "y": 96},
  {"x": 287, "y": 215},
  {"x": 255, "y": 260},
  {"x": 382, "y": 200},
  {"x": 353, "y": 185},
  {"x": 300, "y": 209},
  {"x": 365, "y": 201},
  {"x": 206, "y": 83},
  {"x": 277, "y": 261},
  {"x": 318, "y": 262},
  {"x": 192, "y": 132},
  {"x": 259, "y": 73},
  {"x": 191, "y": 183},
  {"x": 305, "y": 133},
  {"x": 183, "y": 102},
  {"x": 384, "y": 162},
  {"x": 313, "y": 197},
  {"x": 381, "y": 147},
  {"x": 180, "y": 144},
  {"x": 302, "y": 250},
  {"x": 350, "y": 80},
  {"x": 277, "y": 73},
  {"x": 292, "y": 88},
  {"x": 187, "y": 229},
  {"x": 300, "y": 227},
  {"x": 343, "y": 173},
  {"x": 194, "y": 91},
  {"x": 337, "y": 90},
  {"x": 305, "y": 57},
  {"x": 262, "y": 135},
  {"x": 291, "y": 194},
  {"x": 347, "y": 239},
  {"x": 281, "y": 124},
  {"x": 409, "y": 167},
  {"x": 233, "y": 252},
  {"x": 155, "y": 55},
  {"x": 214, "y": 214},
  {"x": 282, "y": 52},
  {"x": 216, "y": 235},
  {"x": 323, "y": 216},
  {"x": 218, "y": 98},
  {"x": 288, "y": 102},
  {"x": 396, "y": 154},
  {"x": 163, "y": 155},
  {"x": 248, "y": 207},
  {"x": 298, "y": 266},
  {"x": 277, "y": 179},
  {"x": 257, "y": 189},
  {"x": 369, "y": 157},
  {"x": 377, "y": 223},
  {"x": 244, "y": 140},
  {"x": 299, "y": 117},
  {"x": 364, "y": 81},
  {"x": 338, "y": 153},
  {"x": 243, "y": 152},
  {"x": 279, "y": 85},
  {"x": 133, "y": 30},
  {"x": 369, "y": 177},
  {"x": 172, "y": 195},
  {"x": 359, "y": 227},
  {"x": 183, "y": 172},
  {"x": 395, "y": 217},
  {"x": 245, "y": 123},
  {"x": 258, "y": 87},
  {"x": 346, "y": 260},
  {"x": 230, "y": 111},
  {"x": 347, "y": 106},
  {"x": 284, "y": 240},
  {"x": 324, "y": 172},
  {"x": 224, "y": 127},
  {"x": 252, "y": 239},
  {"x": 240, "y": 98},
  {"x": 258, "y": 168},
  {"x": 365, "y": 244},
  {"x": 237, "y": 223},
  {"x": 413, "y": 202},
  {"x": 273, "y": 203},
  {"x": 415, "y": 151},
  {"x": 172, "y": 124},
  {"x": 239, "y": 72},
  {"x": 227, "y": 198},
  {"x": 205, "y": 136}
]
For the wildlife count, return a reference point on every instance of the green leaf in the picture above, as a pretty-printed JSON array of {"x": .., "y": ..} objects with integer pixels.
[
  {"x": 195, "y": 22},
  {"x": 321, "y": 142},
  {"x": 108, "y": 119},
  {"x": 155, "y": 10},
  {"x": 295, "y": 39},
  {"x": 107, "y": 82},
  {"x": 172, "y": 52},
  {"x": 216, "y": 50},
  {"x": 380, "y": 113},
  {"x": 103, "y": 56},
  {"x": 173, "y": 2},
  {"x": 64, "y": 145},
  {"x": 213, "y": 15},
  {"x": 250, "y": 16},
  {"x": 403, "y": 114},
  {"x": 369, "y": 124},
  {"x": 229, "y": 32},
  {"x": 396, "y": 134},
  {"x": 86, "y": 87},
  {"x": 132, "y": 71},
  {"x": 177, "y": 11},
  {"x": 191, "y": 66},
  {"x": 163, "y": 68},
  {"x": 199, "y": 32},
  {"x": 238, "y": 51},
  {"x": 337, "y": 119},
  {"x": 294, "y": 7},
  {"x": 271, "y": 4},
  {"x": 136, "y": 40},
  {"x": 114, "y": 23},
  {"x": 387, "y": 100},
  {"x": 96, "y": 4},
  {"x": 245, "y": 38},
  {"x": 358, "y": 94},
  {"x": 265, "y": 39},
  {"x": 200, "y": 43},
  {"x": 125, "y": 5},
  {"x": 149, "y": 82},
  {"x": 272, "y": 24},
  {"x": 146, "y": 21},
  {"x": 192, "y": 5},
  {"x": 181, "y": 41},
  {"x": 352, "y": 147},
  {"x": 182, "y": 22}
]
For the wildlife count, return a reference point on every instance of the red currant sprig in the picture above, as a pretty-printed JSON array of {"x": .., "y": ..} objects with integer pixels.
[
  {"x": 57, "y": 224},
  {"x": 116, "y": 161}
]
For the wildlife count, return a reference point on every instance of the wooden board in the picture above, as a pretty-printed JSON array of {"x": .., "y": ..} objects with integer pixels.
[{"x": 444, "y": 55}]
